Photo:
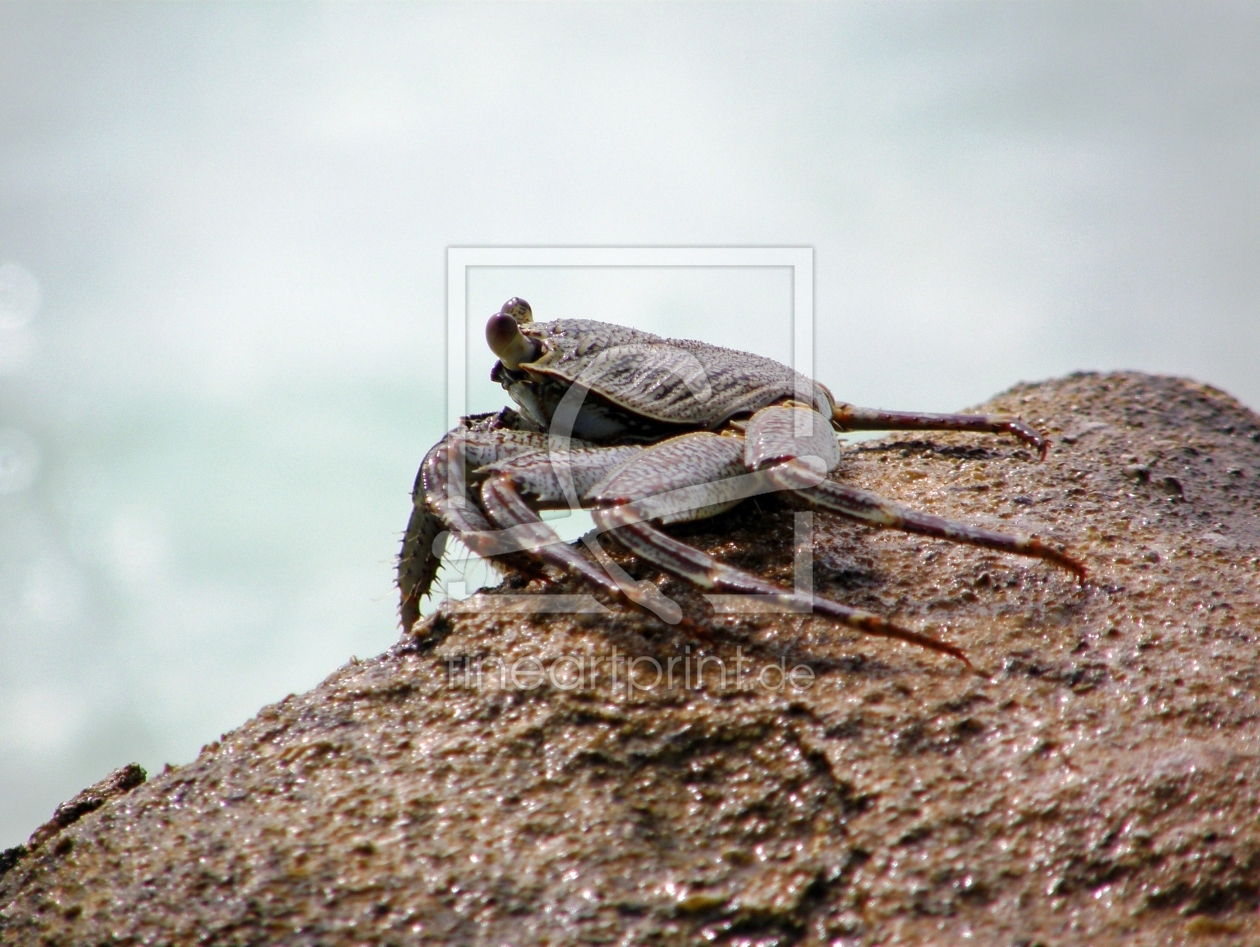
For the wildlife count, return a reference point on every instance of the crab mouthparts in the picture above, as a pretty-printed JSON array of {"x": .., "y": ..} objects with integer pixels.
[{"x": 506, "y": 341}]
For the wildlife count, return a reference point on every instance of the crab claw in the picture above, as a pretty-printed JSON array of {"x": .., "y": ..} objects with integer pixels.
[{"x": 506, "y": 340}]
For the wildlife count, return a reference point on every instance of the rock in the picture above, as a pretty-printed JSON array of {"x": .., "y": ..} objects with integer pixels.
[
  {"x": 122, "y": 780},
  {"x": 1099, "y": 783}
]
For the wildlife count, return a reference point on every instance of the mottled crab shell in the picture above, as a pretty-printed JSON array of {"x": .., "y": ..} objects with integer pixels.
[{"x": 672, "y": 381}]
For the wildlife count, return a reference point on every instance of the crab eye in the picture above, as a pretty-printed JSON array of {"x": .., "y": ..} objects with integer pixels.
[
  {"x": 519, "y": 310},
  {"x": 506, "y": 341}
]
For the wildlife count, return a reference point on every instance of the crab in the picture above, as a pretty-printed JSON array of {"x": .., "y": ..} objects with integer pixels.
[{"x": 644, "y": 432}]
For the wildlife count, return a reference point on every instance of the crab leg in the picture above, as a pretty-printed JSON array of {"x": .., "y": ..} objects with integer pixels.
[
  {"x": 772, "y": 448},
  {"x": 877, "y": 511},
  {"x": 708, "y": 461},
  {"x": 440, "y": 502},
  {"x": 436, "y": 508},
  {"x": 874, "y": 510},
  {"x": 510, "y": 511},
  {"x": 700, "y": 568},
  {"x": 849, "y": 417},
  {"x": 421, "y": 556},
  {"x": 536, "y": 475}
]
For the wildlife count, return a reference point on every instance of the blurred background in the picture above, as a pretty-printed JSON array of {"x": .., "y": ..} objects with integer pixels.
[{"x": 222, "y": 278}]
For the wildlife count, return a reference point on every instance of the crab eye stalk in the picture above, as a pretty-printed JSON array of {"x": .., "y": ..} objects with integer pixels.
[{"x": 506, "y": 341}]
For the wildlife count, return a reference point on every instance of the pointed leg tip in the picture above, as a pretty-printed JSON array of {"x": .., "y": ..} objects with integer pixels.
[
  {"x": 1075, "y": 566},
  {"x": 1058, "y": 557},
  {"x": 890, "y": 630},
  {"x": 952, "y": 651}
]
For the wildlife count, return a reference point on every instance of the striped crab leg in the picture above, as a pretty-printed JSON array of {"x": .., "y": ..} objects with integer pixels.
[
  {"x": 874, "y": 510},
  {"x": 849, "y": 417},
  {"x": 792, "y": 463},
  {"x": 714, "y": 464},
  {"x": 441, "y": 503},
  {"x": 539, "y": 475}
]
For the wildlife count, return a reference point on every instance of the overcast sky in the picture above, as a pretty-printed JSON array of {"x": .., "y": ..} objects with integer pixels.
[{"x": 223, "y": 232}]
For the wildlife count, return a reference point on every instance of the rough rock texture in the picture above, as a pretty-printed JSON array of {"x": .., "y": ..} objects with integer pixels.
[
  {"x": 1101, "y": 785},
  {"x": 120, "y": 781}
]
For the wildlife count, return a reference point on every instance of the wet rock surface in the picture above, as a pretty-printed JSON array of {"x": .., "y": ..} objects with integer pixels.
[{"x": 535, "y": 779}]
